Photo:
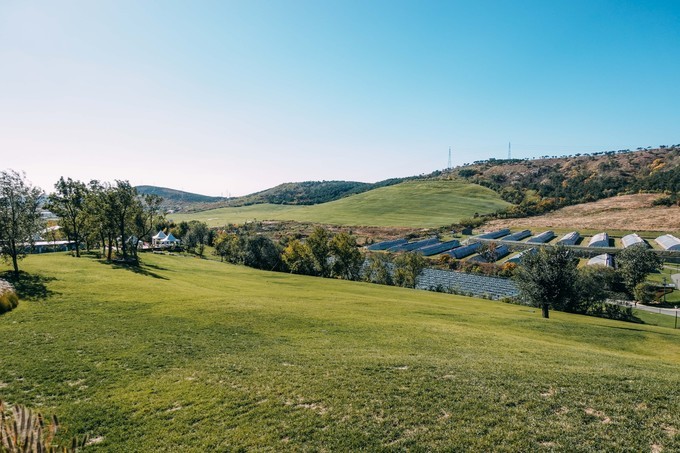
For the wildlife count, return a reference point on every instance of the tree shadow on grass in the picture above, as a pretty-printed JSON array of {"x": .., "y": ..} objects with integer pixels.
[
  {"x": 29, "y": 286},
  {"x": 137, "y": 268}
]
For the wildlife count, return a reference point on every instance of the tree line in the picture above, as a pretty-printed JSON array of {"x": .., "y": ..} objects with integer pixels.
[
  {"x": 551, "y": 278},
  {"x": 93, "y": 215}
]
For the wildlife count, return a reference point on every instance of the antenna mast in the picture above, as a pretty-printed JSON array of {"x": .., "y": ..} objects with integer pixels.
[
  {"x": 509, "y": 151},
  {"x": 449, "y": 167}
]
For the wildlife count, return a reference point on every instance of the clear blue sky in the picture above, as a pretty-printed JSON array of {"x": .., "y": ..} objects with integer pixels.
[{"x": 217, "y": 97}]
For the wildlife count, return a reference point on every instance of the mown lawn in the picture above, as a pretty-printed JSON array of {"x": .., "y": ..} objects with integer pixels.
[
  {"x": 196, "y": 355},
  {"x": 409, "y": 204}
]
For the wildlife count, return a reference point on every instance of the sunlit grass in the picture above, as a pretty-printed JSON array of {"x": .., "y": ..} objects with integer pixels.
[
  {"x": 197, "y": 355},
  {"x": 410, "y": 204}
]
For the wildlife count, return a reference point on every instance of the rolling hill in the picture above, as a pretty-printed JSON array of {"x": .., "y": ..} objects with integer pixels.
[
  {"x": 291, "y": 193},
  {"x": 420, "y": 203},
  {"x": 196, "y": 355}
]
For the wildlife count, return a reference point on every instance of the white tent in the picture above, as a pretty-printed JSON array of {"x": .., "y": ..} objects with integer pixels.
[{"x": 158, "y": 239}]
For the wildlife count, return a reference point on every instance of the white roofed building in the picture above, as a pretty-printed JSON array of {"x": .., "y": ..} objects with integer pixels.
[
  {"x": 158, "y": 238},
  {"x": 632, "y": 239},
  {"x": 668, "y": 242},
  {"x": 599, "y": 240}
]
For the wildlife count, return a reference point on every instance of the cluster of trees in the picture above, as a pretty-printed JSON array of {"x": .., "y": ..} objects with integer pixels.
[
  {"x": 19, "y": 215},
  {"x": 320, "y": 254},
  {"x": 550, "y": 278},
  {"x": 112, "y": 216}
]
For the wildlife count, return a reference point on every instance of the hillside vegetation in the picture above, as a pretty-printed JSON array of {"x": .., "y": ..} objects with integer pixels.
[
  {"x": 290, "y": 193},
  {"x": 421, "y": 203},
  {"x": 541, "y": 185},
  {"x": 194, "y": 355}
]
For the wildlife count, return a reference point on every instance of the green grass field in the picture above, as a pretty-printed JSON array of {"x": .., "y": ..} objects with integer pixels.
[
  {"x": 197, "y": 355},
  {"x": 409, "y": 204}
]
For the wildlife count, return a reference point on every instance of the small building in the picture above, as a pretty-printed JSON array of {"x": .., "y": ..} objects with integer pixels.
[
  {"x": 570, "y": 238},
  {"x": 542, "y": 238},
  {"x": 517, "y": 258},
  {"x": 53, "y": 246},
  {"x": 668, "y": 242},
  {"x": 466, "y": 250},
  {"x": 409, "y": 246},
  {"x": 495, "y": 234},
  {"x": 602, "y": 260},
  {"x": 599, "y": 240},
  {"x": 435, "y": 249},
  {"x": 633, "y": 239},
  {"x": 501, "y": 252},
  {"x": 384, "y": 245},
  {"x": 158, "y": 238},
  {"x": 518, "y": 236},
  {"x": 170, "y": 241}
]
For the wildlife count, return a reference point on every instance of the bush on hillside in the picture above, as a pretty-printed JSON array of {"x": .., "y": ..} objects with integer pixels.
[{"x": 8, "y": 297}]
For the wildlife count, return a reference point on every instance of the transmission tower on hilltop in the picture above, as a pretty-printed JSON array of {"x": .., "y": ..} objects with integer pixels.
[
  {"x": 449, "y": 167},
  {"x": 509, "y": 151}
]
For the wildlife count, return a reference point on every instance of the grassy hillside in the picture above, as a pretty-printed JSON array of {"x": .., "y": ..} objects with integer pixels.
[
  {"x": 194, "y": 355},
  {"x": 410, "y": 204}
]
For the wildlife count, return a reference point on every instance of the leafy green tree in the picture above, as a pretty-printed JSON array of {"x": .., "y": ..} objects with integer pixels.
[
  {"x": 147, "y": 215},
  {"x": 261, "y": 252},
  {"x": 635, "y": 264},
  {"x": 378, "y": 269},
  {"x": 19, "y": 216},
  {"x": 100, "y": 219},
  {"x": 319, "y": 246},
  {"x": 68, "y": 202},
  {"x": 123, "y": 203},
  {"x": 644, "y": 293},
  {"x": 298, "y": 258},
  {"x": 489, "y": 251},
  {"x": 407, "y": 267},
  {"x": 197, "y": 237},
  {"x": 347, "y": 259},
  {"x": 548, "y": 278},
  {"x": 228, "y": 247}
]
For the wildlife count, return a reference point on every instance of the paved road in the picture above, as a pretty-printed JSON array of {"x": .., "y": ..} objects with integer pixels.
[
  {"x": 661, "y": 311},
  {"x": 676, "y": 280}
]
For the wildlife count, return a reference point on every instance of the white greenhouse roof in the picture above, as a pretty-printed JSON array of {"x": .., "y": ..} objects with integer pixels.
[
  {"x": 602, "y": 260},
  {"x": 599, "y": 240},
  {"x": 668, "y": 242},
  {"x": 632, "y": 239}
]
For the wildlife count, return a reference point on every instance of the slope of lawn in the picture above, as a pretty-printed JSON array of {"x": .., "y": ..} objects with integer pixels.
[
  {"x": 196, "y": 355},
  {"x": 409, "y": 204}
]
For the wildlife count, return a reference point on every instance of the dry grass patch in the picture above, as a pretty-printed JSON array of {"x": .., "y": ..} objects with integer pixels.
[{"x": 625, "y": 212}]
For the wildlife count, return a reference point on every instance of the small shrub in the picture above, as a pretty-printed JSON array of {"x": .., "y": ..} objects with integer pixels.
[
  {"x": 8, "y": 297},
  {"x": 22, "y": 430}
]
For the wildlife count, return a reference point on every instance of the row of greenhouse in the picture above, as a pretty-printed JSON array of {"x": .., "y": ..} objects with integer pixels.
[{"x": 454, "y": 248}]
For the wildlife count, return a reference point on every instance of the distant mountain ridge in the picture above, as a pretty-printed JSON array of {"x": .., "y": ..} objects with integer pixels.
[
  {"x": 176, "y": 196},
  {"x": 291, "y": 193}
]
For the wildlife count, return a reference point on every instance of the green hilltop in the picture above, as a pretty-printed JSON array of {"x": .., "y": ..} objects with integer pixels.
[
  {"x": 418, "y": 203},
  {"x": 186, "y": 354}
]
